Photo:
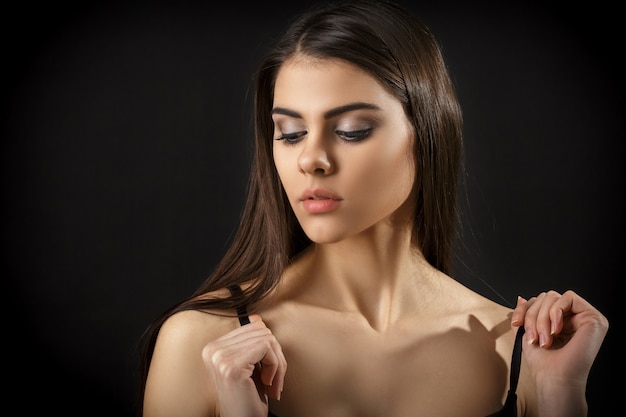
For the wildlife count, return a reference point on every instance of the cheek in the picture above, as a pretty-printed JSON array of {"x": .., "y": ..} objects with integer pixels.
[
  {"x": 283, "y": 168},
  {"x": 388, "y": 173}
]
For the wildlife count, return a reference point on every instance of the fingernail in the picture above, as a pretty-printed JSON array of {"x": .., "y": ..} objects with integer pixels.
[{"x": 542, "y": 340}]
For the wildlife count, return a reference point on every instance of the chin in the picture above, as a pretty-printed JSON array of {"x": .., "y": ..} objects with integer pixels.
[
  {"x": 323, "y": 236},
  {"x": 324, "y": 240}
]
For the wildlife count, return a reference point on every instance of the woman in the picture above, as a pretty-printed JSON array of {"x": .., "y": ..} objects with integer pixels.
[{"x": 334, "y": 298}]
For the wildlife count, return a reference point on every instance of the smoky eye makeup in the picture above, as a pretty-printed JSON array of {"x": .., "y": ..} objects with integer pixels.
[
  {"x": 288, "y": 129},
  {"x": 355, "y": 129},
  {"x": 291, "y": 138},
  {"x": 351, "y": 127},
  {"x": 354, "y": 135},
  {"x": 354, "y": 125}
]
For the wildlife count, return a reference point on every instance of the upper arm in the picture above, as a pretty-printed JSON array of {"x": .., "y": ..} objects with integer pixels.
[{"x": 178, "y": 383}]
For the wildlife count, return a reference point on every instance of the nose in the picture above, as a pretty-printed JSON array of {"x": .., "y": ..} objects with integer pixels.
[{"x": 315, "y": 158}]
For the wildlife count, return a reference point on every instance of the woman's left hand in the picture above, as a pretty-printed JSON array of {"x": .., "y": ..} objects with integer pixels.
[{"x": 563, "y": 334}]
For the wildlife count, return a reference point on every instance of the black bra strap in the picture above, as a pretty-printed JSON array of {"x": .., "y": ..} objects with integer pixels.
[
  {"x": 516, "y": 361},
  {"x": 510, "y": 404},
  {"x": 242, "y": 311}
]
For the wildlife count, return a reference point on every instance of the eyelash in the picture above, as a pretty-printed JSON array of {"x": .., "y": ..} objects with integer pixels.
[{"x": 353, "y": 136}]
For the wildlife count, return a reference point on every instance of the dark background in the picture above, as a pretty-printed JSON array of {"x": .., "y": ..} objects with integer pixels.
[{"x": 126, "y": 138}]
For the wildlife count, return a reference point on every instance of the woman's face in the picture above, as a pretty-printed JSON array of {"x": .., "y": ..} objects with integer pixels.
[{"x": 342, "y": 148}]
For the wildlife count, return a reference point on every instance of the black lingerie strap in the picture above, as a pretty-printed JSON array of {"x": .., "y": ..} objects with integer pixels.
[
  {"x": 242, "y": 311},
  {"x": 516, "y": 361},
  {"x": 510, "y": 405}
]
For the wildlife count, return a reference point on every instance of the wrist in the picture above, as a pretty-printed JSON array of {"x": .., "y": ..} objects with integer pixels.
[{"x": 561, "y": 399}]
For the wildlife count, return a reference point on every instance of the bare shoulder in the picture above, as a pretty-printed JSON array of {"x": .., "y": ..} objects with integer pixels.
[
  {"x": 484, "y": 316},
  {"x": 497, "y": 318},
  {"x": 190, "y": 327},
  {"x": 467, "y": 301},
  {"x": 492, "y": 312},
  {"x": 177, "y": 380},
  {"x": 199, "y": 326}
]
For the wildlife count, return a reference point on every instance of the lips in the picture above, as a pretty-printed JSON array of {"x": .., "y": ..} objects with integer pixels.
[
  {"x": 319, "y": 201},
  {"x": 319, "y": 194}
]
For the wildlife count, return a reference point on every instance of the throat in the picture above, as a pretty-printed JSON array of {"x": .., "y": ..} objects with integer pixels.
[{"x": 377, "y": 312}]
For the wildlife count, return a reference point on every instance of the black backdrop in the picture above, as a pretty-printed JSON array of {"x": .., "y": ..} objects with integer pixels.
[{"x": 126, "y": 137}]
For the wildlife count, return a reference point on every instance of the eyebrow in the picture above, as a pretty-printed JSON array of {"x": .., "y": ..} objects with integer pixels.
[{"x": 330, "y": 113}]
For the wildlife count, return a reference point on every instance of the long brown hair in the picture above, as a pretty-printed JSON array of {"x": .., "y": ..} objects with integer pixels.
[{"x": 398, "y": 50}]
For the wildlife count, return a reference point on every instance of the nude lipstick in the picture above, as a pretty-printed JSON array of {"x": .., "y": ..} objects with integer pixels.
[{"x": 319, "y": 201}]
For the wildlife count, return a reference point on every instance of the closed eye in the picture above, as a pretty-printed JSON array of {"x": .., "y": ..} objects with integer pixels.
[
  {"x": 354, "y": 135},
  {"x": 292, "y": 138}
]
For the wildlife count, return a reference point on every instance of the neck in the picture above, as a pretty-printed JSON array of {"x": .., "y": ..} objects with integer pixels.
[{"x": 375, "y": 274}]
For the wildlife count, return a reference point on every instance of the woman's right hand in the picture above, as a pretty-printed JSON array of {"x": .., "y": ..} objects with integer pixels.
[{"x": 247, "y": 366}]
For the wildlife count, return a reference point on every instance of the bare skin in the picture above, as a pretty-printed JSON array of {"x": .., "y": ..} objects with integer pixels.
[{"x": 361, "y": 325}]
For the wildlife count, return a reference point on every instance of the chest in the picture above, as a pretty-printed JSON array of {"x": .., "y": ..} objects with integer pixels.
[{"x": 346, "y": 373}]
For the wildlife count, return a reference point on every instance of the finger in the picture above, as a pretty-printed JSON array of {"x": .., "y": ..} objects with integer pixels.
[
  {"x": 543, "y": 321},
  {"x": 241, "y": 348},
  {"x": 572, "y": 303},
  {"x": 519, "y": 313},
  {"x": 517, "y": 318},
  {"x": 254, "y": 317},
  {"x": 531, "y": 310},
  {"x": 271, "y": 367},
  {"x": 572, "y": 312},
  {"x": 562, "y": 305},
  {"x": 272, "y": 371},
  {"x": 233, "y": 358},
  {"x": 243, "y": 333},
  {"x": 254, "y": 349},
  {"x": 585, "y": 324}
]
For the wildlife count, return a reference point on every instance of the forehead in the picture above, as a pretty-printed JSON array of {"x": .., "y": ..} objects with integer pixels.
[{"x": 306, "y": 83}]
